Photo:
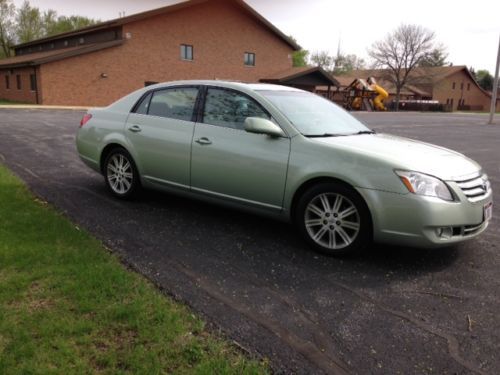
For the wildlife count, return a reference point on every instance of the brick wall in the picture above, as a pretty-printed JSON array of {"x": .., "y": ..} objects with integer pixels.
[
  {"x": 219, "y": 31},
  {"x": 465, "y": 89},
  {"x": 13, "y": 93}
]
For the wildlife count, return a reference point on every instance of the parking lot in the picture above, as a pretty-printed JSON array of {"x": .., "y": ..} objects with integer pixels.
[{"x": 390, "y": 310}]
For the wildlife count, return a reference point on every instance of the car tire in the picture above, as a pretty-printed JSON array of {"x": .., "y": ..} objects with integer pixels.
[
  {"x": 121, "y": 175},
  {"x": 334, "y": 219}
]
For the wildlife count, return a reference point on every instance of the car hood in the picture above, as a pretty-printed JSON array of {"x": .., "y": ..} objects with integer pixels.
[{"x": 409, "y": 154}]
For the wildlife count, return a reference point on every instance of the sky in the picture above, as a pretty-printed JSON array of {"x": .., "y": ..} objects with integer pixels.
[{"x": 470, "y": 31}]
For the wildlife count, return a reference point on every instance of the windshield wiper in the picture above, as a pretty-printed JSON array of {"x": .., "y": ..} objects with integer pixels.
[
  {"x": 324, "y": 135},
  {"x": 365, "y": 132}
]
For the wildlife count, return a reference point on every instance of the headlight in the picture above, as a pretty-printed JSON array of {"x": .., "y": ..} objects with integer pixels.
[{"x": 422, "y": 184}]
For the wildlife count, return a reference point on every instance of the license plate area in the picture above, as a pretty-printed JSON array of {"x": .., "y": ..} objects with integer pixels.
[{"x": 488, "y": 211}]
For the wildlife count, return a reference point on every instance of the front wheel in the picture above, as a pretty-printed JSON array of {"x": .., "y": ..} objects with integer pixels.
[
  {"x": 120, "y": 174},
  {"x": 334, "y": 219}
]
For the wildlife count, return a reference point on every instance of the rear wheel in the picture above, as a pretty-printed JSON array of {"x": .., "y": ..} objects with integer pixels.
[
  {"x": 334, "y": 219},
  {"x": 120, "y": 174}
]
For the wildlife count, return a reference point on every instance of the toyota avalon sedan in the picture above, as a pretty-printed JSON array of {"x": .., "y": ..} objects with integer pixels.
[{"x": 290, "y": 154}]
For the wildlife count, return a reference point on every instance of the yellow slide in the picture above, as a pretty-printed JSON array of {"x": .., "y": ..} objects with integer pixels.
[
  {"x": 382, "y": 94},
  {"x": 378, "y": 100}
]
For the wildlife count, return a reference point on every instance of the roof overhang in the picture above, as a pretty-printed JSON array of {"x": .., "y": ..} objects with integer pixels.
[
  {"x": 167, "y": 9},
  {"x": 314, "y": 76},
  {"x": 16, "y": 62}
]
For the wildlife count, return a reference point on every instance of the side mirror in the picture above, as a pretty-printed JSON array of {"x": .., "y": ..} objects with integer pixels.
[{"x": 259, "y": 125}]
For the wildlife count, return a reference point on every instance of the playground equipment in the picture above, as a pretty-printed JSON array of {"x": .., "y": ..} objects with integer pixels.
[{"x": 365, "y": 95}]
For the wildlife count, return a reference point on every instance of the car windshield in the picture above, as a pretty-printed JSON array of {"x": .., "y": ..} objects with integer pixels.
[{"x": 314, "y": 116}]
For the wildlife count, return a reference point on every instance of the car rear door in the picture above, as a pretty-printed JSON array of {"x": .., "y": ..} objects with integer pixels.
[
  {"x": 161, "y": 131},
  {"x": 231, "y": 163}
]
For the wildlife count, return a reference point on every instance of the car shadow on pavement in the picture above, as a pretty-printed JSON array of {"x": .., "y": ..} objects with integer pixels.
[{"x": 276, "y": 241}]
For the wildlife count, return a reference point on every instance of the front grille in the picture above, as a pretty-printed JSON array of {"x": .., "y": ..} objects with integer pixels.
[{"x": 475, "y": 189}]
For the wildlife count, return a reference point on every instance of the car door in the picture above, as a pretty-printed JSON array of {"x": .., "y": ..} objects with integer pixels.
[
  {"x": 161, "y": 132},
  {"x": 231, "y": 163}
]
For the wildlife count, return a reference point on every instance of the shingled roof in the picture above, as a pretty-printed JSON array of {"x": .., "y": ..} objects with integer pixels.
[
  {"x": 38, "y": 58},
  {"x": 167, "y": 9},
  {"x": 420, "y": 76},
  {"x": 314, "y": 74}
]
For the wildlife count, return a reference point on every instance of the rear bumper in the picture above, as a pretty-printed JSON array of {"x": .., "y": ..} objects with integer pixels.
[{"x": 412, "y": 220}]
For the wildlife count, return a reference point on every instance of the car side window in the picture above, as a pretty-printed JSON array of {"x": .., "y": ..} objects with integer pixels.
[
  {"x": 230, "y": 109},
  {"x": 142, "y": 108},
  {"x": 175, "y": 103}
]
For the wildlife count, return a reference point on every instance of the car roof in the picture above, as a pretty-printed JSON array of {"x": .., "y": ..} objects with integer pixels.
[{"x": 229, "y": 84}]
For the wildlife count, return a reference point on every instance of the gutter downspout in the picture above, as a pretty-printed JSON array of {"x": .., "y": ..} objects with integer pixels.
[{"x": 36, "y": 86}]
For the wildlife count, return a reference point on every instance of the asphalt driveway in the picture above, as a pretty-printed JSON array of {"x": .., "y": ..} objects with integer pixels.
[{"x": 391, "y": 310}]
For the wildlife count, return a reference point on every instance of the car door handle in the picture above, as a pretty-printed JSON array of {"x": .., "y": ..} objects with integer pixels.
[
  {"x": 135, "y": 128},
  {"x": 204, "y": 141}
]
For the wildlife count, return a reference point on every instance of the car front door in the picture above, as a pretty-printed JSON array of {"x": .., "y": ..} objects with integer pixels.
[
  {"x": 231, "y": 163},
  {"x": 161, "y": 131}
]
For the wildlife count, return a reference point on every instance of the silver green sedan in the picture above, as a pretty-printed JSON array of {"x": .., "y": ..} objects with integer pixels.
[{"x": 291, "y": 154}]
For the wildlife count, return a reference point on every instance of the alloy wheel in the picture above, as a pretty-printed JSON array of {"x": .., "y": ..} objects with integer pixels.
[
  {"x": 120, "y": 174},
  {"x": 332, "y": 221}
]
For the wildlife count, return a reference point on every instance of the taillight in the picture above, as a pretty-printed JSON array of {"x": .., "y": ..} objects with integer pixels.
[{"x": 86, "y": 118}]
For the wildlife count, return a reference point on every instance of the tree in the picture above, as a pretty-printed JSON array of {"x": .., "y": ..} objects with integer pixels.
[
  {"x": 344, "y": 64},
  {"x": 436, "y": 57},
  {"x": 29, "y": 23},
  {"x": 323, "y": 59},
  {"x": 300, "y": 58},
  {"x": 484, "y": 79},
  {"x": 401, "y": 52},
  {"x": 7, "y": 29},
  {"x": 56, "y": 25}
]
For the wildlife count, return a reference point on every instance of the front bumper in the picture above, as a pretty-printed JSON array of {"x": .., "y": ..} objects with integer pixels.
[{"x": 413, "y": 220}]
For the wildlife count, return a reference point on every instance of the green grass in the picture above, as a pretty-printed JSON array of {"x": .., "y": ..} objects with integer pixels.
[
  {"x": 69, "y": 306},
  {"x": 8, "y": 102}
]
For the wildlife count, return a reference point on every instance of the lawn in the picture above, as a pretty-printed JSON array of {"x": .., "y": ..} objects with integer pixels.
[
  {"x": 69, "y": 306},
  {"x": 7, "y": 102}
]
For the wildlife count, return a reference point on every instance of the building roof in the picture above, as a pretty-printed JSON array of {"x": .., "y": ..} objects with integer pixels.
[
  {"x": 38, "y": 58},
  {"x": 408, "y": 90},
  {"x": 422, "y": 76},
  {"x": 164, "y": 10},
  {"x": 307, "y": 75}
]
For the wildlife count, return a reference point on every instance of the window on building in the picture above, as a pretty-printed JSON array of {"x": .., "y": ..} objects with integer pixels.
[
  {"x": 175, "y": 103},
  {"x": 249, "y": 58},
  {"x": 187, "y": 52},
  {"x": 462, "y": 86},
  {"x": 18, "y": 81},
  {"x": 453, "y": 86},
  {"x": 7, "y": 82},
  {"x": 447, "y": 101},
  {"x": 230, "y": 109},
  {"x": 32, "y": 82},
  {"x": 468, "y": 87},
  {"x": 451, "y": 102}
]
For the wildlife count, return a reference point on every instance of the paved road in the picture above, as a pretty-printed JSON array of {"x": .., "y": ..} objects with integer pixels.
[{"x": 388, "y": 311}]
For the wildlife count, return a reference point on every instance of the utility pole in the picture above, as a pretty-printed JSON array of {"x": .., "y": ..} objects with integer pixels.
[{"x": 495, "y": 87}]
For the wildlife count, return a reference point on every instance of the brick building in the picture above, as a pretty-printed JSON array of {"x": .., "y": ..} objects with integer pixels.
[
  {"x": 453, "y": 86},
  {"x": 197, "y": 39}
]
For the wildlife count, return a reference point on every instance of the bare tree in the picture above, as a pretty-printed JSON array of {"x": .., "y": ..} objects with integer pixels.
[
  {"x": 401, "y": 52},
  {"x": 323, "y": 59},
  {"x": 7, "y": 28},
  {"x": 345, "y": 64}
]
